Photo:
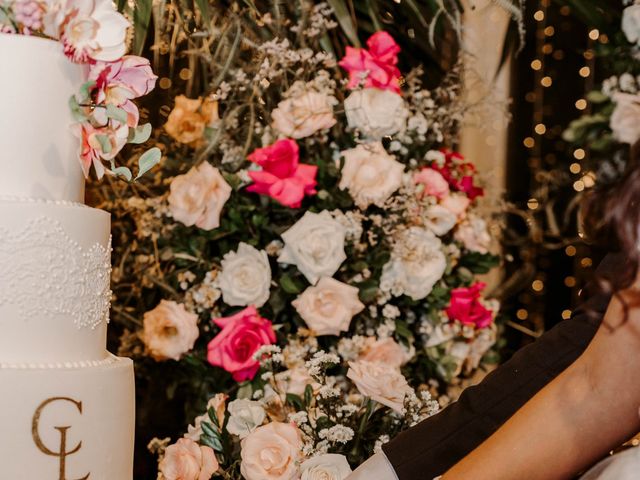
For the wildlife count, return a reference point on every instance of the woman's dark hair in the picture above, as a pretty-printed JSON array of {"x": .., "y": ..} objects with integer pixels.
[{"x": 612, "y": 220}]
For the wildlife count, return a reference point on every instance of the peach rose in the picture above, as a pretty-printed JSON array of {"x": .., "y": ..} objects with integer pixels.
[
  {"x": 370, "y": 174},
  {"x": 294, "y": 380},
  {"x": 186, "y": 460},
  {"x": 271, "y": 452},
  {"x": 189, "y": 117},
  {"x": 169, "y": 330},
  {"x": 197, "y": 197},
  {"x": 473, "y": 234},
  {"x": 382, "y": 383},
  {"x": 386, "y": 351},
  {"x": 456, "y": 204},
  {"x": 328, "y": 307},
  {"x": 304, "y": 114}
]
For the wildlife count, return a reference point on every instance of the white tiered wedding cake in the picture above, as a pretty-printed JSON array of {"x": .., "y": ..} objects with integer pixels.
[{"x": 66, "y": 404}]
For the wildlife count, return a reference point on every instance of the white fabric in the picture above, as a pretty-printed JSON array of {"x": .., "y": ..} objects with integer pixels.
[
  {"x": 623, "y": 466},
  {"x": 376, "y": 467}
]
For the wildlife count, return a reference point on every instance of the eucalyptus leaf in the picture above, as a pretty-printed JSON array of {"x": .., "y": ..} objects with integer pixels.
[
  {"x": 123, "y": 172},
  {"x": 76, "y": 109},
  {"x": 85, "y": 88},
  {"x": 140, "y": 134},
  {"x": 148, "y": 160},
  {"x": 105, "y": 143},
  {"x": 209, "y": 429},
  {"x": 116, "y": 113}
]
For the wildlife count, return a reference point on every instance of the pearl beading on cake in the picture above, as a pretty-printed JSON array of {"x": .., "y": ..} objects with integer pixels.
[
  {"x": 46, "y": 272},
  {"x": 59, "y": 365},
  {"x": 29, "y": 200}
]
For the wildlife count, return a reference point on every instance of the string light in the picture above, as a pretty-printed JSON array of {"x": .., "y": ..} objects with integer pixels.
[
  {"x": 594, "y": 34},
  {"x": 540, "y": 129},
  {"x": 581, "y": 104},
  {"x": 584, "y": 72},
  {"x": 537, "y": 285},
  {"x": 522, "y": 314},
  {"x": 566, "y": 314},
  {"x": 539, "y": 16},
  {"x": 570, "y": 282},
  {"x": 579, "y": 154},
  {"x": 546, "y": 81},
  {"x": 575, "y": 168},
  {"x": 570, "y": 251},
  {"x": 536, "y": 64},
  {"x": 529, "y": 142}
]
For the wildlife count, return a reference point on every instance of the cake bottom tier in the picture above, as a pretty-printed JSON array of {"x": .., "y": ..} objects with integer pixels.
[{"x": 67, "y": 423}]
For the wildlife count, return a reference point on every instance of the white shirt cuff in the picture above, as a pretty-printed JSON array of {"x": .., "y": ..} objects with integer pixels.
[{"x": 377, "y": 467}]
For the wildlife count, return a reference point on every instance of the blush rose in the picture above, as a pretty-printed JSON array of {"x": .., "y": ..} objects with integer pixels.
[
  {"x": 186, "y": 460},
  {"x": 169, "y": 331}
]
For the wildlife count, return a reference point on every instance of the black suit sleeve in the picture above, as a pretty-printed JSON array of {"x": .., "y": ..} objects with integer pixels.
[{"x": 436, "y": 444}]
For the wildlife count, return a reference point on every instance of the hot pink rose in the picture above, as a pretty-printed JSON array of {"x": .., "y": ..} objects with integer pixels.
[
  {"x": 241, "y": 336},
  {"x": 377, "y": 65},
  {"x": 282, "y": 177},
  {"x": 433, "y": 181},
  {"x": 467, "y": 308},
  {"x": 186, "y": 460},
  {"x": 460, "y": 174}
]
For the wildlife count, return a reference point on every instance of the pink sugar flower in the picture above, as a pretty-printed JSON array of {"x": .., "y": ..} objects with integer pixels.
[
  {"x": 241, "y": 336},
  {"x": 466, "y": 307},
  {"x": 282, "y": 177},
  {"x": 377, "y": 65}
]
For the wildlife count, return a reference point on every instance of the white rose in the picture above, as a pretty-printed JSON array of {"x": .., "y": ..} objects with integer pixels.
[
  {"x": 245, "y": 278},
  {"x": 304, "y": 114},
  {"x": 473, "y": 234},
  {"x": 631, "y": 23},
  {"x": 330, "y": 466},
  {"x": 416, "y": 264},
  {"x": 625, "y": 119},
  {"x": 376, "y": 113},
  {"x": 328, "y": 307},
  {"x": 315, "y": 244},
  {"x": 439, "y": 219},
  {"x": 244, "y": 417},
  {"x": 382, "y": 383},
  {"x": 370, "y": 174}
]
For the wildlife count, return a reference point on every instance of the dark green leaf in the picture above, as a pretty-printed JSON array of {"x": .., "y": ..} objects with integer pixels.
[
  {"x": 289, "y": 285},
  {"x": 345, "y": 20},
  {"x": 141, "y": 19},
  {"x": 295, "y": 401},
  {"x": 308, "y": 395}
]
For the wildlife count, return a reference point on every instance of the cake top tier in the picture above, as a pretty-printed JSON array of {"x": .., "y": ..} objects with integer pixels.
[{"x": 38, "y": 152}]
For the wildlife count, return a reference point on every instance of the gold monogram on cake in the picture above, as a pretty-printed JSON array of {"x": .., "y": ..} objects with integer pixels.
[{"x": 63, "y": 451}]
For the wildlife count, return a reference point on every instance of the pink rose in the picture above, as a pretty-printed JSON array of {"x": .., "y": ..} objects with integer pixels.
[
  {"x": 466, "y": 307},
  {"x": 386, "y": 351},
  {"x": 197, "y": 197},
  {"x": 241, "y": 336},
  {"x": 376, "y": 65},
  {"x": 433, "y": 181},
  {"x": 186, "y": 460},
  {"x": 169, "y": 330},
  {"x": 382, "y": 383},
  {"x": 457, "y": 204},
  {"x": 282, "y": 177},
  {"x": 271, "y": 452}
]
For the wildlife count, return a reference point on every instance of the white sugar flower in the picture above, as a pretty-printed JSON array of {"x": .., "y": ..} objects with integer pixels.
[
  {"x": 245, "y": 278},
  {"x": 315, "y": 244}
]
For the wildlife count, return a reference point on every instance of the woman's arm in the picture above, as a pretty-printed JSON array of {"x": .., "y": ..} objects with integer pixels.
[{"x": 575, "y": 420}]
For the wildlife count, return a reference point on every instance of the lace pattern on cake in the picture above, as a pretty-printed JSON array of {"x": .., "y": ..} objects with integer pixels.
[{"x": 43, "y": 271}]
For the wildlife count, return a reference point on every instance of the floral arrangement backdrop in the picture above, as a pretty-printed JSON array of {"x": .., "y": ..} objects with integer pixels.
[{"x": 300, "y": 272}]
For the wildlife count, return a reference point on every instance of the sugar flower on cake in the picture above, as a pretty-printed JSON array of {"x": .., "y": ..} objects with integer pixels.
[
  {"x": 272, "y": 452},
  {"x": 432, "y": 183},
  {"x": 370, "y": 174},
  {"x": 189, "y": 118},
  {"x": 245, "y": 278},
  {"x": 186, "y": 460},
  {"x": 305, "y": 112},
  {"x": 29, "y": 13},
  {"x": 386, "y": 351},
  {"x": 282, "y": 176},
  {"x": 330, "y": 466},
  {"x": 416, "y": 264},
  {"x": 328, "y": 307},
  {"x": 97, "y": 144},
  {"x": 315, "y": 245},
  {"x": 169, "y": 330},
  {"x": 197, "y": 197},
  {"x": 625, "y": 119},
  {"x": 466, "y": 306},
  {"x": 375, "y": 66},
  {"x": 473, "y": 234},
  {"x": 244, "y": 417},
  {"x": 382, "y": 383},
  {"x": 90, "y": 30},
  {"x": 376, "y": 113},
  {"x": 234, "y": 347}
]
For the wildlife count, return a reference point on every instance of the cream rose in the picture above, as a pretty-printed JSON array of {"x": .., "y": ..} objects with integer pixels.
[
  {"x": 197, "y": 197},
  {"x": 386, "y": 351},
  {"x": 376, "y": 113},
  {"x": 625, "y": 119},
  {"x": 439, "y": 220},
  {"x": 186, "y": 460},
  {"x": 456, "y": 203},
  {"x": 304, "y": 114},
  {"x": 330, "y": 466},
  {"x": 315, "y": 244},
  {"x": 370, "y": 174},
  {"x": 169, "y": 331},
  {"x": 271, "y": 452},
  {"x": 245, "y": 278},
  {"x": 382, "y": 383},
  {"x": 244, "y": 417},
  {"x": 328, "y": 308},
  {"x": 294, "y": 380},
  {"x": 416, "y": 264},
  {"x": 631, "y": 23},
  {"x": 473, "y": 234}
]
